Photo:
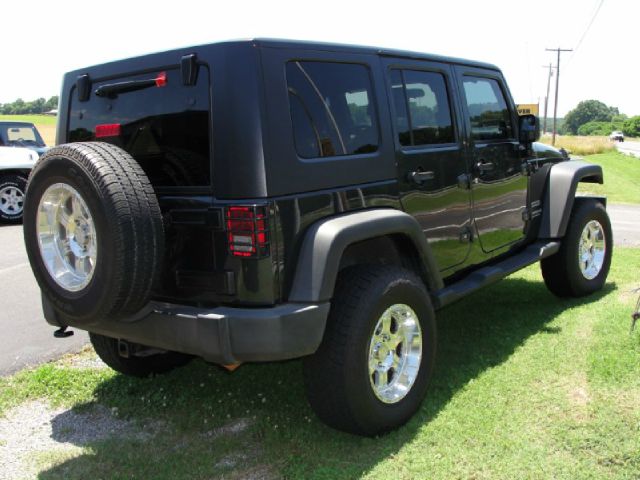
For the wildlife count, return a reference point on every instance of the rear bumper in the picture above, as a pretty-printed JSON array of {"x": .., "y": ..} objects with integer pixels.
[{"x": 223, "y": 334}]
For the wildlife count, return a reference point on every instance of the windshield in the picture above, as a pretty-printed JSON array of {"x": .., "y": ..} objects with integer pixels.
[{"x": 20, "y": 135}]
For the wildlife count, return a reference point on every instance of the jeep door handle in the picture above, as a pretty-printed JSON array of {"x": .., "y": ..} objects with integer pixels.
[
  {"x": 420, "y": 177},
  {"x": 485, "y": 167}
]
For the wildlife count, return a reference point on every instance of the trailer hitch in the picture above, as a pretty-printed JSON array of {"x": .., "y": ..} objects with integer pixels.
[{"x": 62, "y": 332}]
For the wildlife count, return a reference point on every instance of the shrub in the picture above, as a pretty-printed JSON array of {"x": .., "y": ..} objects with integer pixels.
[
  {"x": 631, "y": 127},
  {"x": 599, "y": 128}
]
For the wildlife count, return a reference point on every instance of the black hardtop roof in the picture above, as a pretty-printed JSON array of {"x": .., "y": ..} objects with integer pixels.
[
  {"x": 292, "y": 44},
  {"x": 340, "y": 47},
  {"x": 13, "y": 122}
]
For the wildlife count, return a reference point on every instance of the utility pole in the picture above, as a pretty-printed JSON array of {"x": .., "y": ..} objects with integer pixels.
[
  {"x": 555, "y": 108},
  {"x": 546, "y": 99}
]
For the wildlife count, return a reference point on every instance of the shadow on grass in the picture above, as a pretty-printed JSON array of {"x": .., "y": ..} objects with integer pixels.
[{"x": 256, "y": 422}]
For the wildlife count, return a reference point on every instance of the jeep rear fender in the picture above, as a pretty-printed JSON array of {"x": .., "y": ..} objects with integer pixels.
[
  {"x": 326, "y": 240},
  {"x": 560, "y": 194}
]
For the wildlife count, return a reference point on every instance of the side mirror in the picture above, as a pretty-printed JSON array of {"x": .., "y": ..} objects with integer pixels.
[{"x": 529, "y": 128}]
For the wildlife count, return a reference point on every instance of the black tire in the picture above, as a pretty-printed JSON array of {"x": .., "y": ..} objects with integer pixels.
[
  {"x": 561, "y": 272},
  {"x": 337, "y": 378},
  {"x": 12, "y": 191},
  {"x": 136, "y": 366},
  {"x": 128, "y": 230}
]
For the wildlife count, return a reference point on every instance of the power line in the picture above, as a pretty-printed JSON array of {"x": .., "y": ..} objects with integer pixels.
[{"x": 586, "y": 30}]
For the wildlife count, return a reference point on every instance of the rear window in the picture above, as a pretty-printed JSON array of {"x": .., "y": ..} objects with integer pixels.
[
  {"x": 422, "y": 110},
  {"x": 165, "y": 128},
  {"x": 332, "y": 109}
]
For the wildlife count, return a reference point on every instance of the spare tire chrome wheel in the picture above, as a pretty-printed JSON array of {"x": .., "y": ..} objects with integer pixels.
[
  {"x": 93, "y": 232},
  {"x": 67, "y": 237}
]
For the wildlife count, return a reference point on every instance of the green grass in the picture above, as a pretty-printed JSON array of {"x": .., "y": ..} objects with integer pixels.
[
  {"x": 526, "y": 386},
  {"x": 35, "y": 119},
  {"x": 621, "y": 178}
]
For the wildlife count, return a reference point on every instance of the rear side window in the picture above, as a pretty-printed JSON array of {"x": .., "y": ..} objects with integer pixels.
[
  {"x": 332, "y": 109},
  {"x": 165, "y": 128},
  {"x": 422, "y": 110},
  {"x": 488, "y": 111}
]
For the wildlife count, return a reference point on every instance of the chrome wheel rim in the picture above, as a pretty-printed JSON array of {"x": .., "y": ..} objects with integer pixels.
[
  {"x": 592, "y": 249},
  {"x": 67, "y": 237},
  {"x": 11, "y": 200},
  {"x": 395, "y": 353}
]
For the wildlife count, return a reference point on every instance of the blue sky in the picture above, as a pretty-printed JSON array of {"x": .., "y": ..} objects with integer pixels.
[{"x": 54, "y": 37}]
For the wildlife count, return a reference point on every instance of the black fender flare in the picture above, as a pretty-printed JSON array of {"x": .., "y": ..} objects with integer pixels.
[
  {"x": 326, "y": 240},
  {"x": 562, "y": 183}
]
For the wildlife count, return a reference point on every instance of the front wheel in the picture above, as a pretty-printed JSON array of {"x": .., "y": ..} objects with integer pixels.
[
  {"x": 373, "y": 367},
  {"x": 12, "y": 188},
  {"x": 582, "y": 264}
]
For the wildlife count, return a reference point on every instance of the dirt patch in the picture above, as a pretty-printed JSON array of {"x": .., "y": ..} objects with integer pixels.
[
  {"x": 48, "y": 133},
  {"x": 36, "y": 427},
  {"x": 579, "y": 396},
  {"x": 85, "y": 359},
  {"x": 232, "y": 428}
]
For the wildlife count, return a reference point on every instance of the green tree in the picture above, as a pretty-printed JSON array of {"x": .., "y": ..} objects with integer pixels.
[
  {"x": 51, "y": 103},
  {"x": 588, "y": 111},
  {"x": 18, "y": 107},
  {"x": 631, "y": 127}
]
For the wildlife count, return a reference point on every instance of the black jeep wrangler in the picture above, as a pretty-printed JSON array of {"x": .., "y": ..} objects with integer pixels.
[{"x": 264, "y": 200}]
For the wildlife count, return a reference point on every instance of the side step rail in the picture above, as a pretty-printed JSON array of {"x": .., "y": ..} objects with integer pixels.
[{"x": 492, "y": 273}]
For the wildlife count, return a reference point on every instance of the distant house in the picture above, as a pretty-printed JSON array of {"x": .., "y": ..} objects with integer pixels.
[{"x": 53, "y": 112}]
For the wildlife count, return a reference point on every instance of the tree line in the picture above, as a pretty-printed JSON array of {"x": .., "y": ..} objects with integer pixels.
[
  {"x": 20, "y": 107},
  {"x": 592, "y": 117}
]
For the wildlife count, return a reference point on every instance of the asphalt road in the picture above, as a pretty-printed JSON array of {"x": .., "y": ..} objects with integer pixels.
[
  {"x": 625, "y": 220},
  {"x": 631, "y": 148},
  {"x": 28, "y": 340}
]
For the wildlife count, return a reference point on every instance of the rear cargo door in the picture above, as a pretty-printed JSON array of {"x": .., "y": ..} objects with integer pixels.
[{"x": 153, "y": 115}]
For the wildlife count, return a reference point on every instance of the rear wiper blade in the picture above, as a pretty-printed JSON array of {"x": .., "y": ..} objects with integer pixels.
[{"x": 111, "y": 90}]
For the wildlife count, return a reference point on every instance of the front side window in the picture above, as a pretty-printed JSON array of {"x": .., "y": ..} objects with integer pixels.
[
  {"x": 422, "y": 110},
  {"x": 488, "y": 111},
  {"x": 332, "y": 109}
]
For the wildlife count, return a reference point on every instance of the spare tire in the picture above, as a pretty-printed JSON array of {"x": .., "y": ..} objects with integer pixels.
[{"x": 93, "y": 232}]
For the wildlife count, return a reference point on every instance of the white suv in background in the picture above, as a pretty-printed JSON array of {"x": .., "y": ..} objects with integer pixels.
[{"x": 616, "y": 136}]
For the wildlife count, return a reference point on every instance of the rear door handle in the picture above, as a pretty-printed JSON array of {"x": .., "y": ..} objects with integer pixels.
[
  {"x": 485, "y": 167},
  {"x": 420, "y": 177}
]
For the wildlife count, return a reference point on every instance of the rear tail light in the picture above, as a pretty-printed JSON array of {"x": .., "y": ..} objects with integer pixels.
[
  {"x": 248, "y": 231},
  {"x": 108, "y": 130}
]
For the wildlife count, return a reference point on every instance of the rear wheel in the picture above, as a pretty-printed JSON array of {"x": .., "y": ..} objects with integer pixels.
[
  {"x": 12, "y": 190},
  {"x": 373, "y": 367},
  {"x": 139, "y": 363},
  {"x": 582, "y": 264}
]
